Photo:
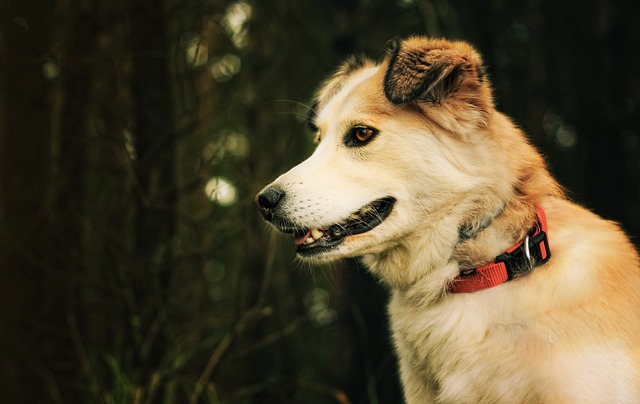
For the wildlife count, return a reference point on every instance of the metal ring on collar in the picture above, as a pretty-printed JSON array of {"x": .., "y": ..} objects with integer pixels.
[{"x": 527, "y": 253}]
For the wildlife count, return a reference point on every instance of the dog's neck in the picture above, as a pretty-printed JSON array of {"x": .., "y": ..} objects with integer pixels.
[
  {"x": 498, "y": 232},
  {"x": 471, "y": 229},
  {"x": 437, "y": 254}
]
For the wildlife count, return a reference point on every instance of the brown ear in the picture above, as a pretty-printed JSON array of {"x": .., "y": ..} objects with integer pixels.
[{"x": 429, "y": 70}]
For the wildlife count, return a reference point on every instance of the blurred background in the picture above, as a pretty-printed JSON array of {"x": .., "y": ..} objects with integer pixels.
[{"x": 134, "y": 134}]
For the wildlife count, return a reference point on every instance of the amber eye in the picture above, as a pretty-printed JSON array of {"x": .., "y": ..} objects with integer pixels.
[
  {"x": 363, "y": 134},
  {"x": 359, "y": 135}
]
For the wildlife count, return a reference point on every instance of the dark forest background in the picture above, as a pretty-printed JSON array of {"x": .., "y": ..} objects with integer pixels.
[{"x": 134, "y": 134}]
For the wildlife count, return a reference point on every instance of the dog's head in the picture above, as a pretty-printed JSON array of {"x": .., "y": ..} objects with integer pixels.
[{"x": 397, "y": 148}]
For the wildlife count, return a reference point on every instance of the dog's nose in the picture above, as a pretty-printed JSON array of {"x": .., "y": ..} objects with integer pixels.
[{"x": 268, "y": 199}]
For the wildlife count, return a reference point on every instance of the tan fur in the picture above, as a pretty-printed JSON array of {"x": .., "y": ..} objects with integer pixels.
[{"x": 568, "y": 332}]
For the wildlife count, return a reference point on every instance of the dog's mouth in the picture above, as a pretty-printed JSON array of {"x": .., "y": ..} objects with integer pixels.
[{"x": 315, "y": 241}]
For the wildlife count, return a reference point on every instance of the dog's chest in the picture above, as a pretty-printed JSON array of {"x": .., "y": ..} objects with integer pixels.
[{"x": 465, "y": 352}]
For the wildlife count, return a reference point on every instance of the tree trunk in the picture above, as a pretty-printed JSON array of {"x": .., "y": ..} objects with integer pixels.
[
  {"x": 154, "y": 168},
  {"x": 30, "y": 347}
]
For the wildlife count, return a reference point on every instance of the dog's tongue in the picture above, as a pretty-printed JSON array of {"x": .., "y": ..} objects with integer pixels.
[{"x": 299, "y": 240}]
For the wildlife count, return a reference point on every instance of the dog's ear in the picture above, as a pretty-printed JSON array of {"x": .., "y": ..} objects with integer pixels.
[{"x": 429, "y": 70}]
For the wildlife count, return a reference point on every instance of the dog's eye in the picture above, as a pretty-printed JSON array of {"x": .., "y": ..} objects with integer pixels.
[
  {"x": 360, "y": 135},
  {"x": 363, "y": 134}
]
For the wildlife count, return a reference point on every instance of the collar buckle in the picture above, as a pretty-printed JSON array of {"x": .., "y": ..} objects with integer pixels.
[
  {"x": 533, "y": 251},
  {"x": 516, "y": 261}
]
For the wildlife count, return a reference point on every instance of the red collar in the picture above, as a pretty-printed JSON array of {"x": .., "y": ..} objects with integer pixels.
[{"x": 517, "y": 260}]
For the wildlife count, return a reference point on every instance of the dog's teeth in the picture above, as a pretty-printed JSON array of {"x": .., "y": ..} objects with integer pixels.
[
  {"x": 309, "y": 240},
  {"x": 316, "y": 234}
]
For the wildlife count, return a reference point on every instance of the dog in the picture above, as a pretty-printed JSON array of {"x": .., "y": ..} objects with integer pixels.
[{"x": 502, "y": 290}]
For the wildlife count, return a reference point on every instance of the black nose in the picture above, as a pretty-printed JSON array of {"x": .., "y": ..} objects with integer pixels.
[{"x": 268, "y": 199}]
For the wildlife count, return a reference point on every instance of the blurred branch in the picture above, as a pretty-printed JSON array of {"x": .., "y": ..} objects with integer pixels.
[
  {"x": 268, "y": 269},
  {"x": 274, "y": 337},
  {"x": 248, "y": 317},
  {"x": 255, "y": 388}
]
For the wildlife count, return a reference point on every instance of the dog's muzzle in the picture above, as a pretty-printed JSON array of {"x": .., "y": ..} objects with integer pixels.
[{"x": 314, "y": 241}]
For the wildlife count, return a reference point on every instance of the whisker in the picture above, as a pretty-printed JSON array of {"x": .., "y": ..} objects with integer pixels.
[
  {"x": 302, "y": 117},
  {"x": 301, "y": 104}
]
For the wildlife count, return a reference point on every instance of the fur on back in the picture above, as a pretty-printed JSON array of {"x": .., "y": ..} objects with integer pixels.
[{"x": 567, "y": 332}]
